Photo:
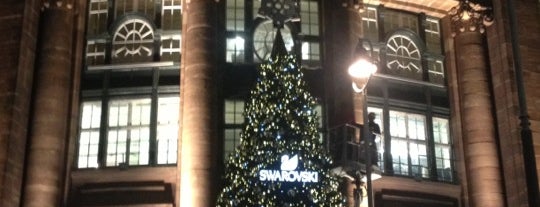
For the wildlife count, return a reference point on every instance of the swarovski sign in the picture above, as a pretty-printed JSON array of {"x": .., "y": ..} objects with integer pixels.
[{"x": 288, "y": 172}]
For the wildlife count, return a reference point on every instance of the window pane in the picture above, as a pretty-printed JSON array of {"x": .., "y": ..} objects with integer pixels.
[
  {"x": 436, "y": 71},
  {"x": 167, "y": 132},
  {"x": 89, "y": 134},
  {"x": 408, "y": 144},
  {"x": 416, "y": 125},
  {"x": 440, "y": 130},
  {"x": 398, "y": 128},
  {"x": 443, "y": 157},
  {"x": 234, "y": 110},
  {"x": 400, "y": 157},
  {"x": 234, "y": 119},
  {"x": 433, "y": 37},
  {"x": 171, "y": 15},
  {"x": 131, "y": 134},
  {"x": 309, "y": 13},
  {"x": 379, "y": 140},
  {"x": 235, "y": 50},
  {"x": 395, "y": 20},
  {"x": 369, "y": 23},
  {"x": 170, "y": 47},
  {"x": 235, "y": 15},
  {"x": 232, "y": 140}
]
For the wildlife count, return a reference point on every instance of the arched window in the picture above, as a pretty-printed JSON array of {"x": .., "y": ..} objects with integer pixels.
[{"x": 404, "y": 56}]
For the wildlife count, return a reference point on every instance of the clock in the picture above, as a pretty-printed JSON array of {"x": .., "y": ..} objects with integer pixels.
[
  {"x": 263, "y": 39},
  {"x": 133, "y": 37}
]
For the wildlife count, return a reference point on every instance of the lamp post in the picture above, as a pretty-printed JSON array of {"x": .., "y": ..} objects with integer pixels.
[{"x": 360, "y": 71}]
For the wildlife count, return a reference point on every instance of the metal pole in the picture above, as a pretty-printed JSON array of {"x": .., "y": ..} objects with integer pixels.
[
  {"x": 367, "y": 145},
  {"x": 526, "y": 135}
]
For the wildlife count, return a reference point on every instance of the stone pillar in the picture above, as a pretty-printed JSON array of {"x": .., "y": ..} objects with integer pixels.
[
  {"x": 343, "y": 23},
  {"x": 18, "y": 31},
  {"x": 198, "y": 146},
  {"x": 51, "y": 109},
  {"x": 343, "y": 30},
  {"x": 481, "y": 156}
]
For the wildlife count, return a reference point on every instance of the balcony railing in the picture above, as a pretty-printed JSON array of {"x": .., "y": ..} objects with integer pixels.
[{"x": 349, "y": 149}]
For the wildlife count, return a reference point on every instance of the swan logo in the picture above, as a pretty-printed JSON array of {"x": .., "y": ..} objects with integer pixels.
[
  {"x": 289, "y": 163},
  {"x": 288, "y": 172}
]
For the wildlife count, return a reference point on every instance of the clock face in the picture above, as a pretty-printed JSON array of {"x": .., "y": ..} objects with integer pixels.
[
  {"x": 263, "y": 39},
  {"x": 133, "y": 37}
]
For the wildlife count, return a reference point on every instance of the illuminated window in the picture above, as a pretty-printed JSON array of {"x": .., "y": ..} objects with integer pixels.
[
  {"x": 443, "y": 158},
  {"x": 89, "y": 135},
  {"x": 167, "y": 130},
  {"x": 310, "y": 30},
  {"x": 311, "y": 51},
  {"x": 379, "y": 140},
  {"x": 128, "y": 132},
  {"x": 235, "y": 50},
  {"x": 408, "y": 133}
]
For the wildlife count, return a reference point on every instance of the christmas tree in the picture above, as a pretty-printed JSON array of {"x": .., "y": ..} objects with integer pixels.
[{"x": 281, "y": 160}]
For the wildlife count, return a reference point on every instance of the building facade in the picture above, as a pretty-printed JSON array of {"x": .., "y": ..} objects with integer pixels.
[{"x": 139, "y": 102}]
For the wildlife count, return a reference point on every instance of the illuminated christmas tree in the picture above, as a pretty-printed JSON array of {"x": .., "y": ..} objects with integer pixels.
[{"x": 281, "y": 160}]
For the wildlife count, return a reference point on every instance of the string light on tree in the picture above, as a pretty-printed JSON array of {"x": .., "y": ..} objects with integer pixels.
[{"x": 280, "y": 161}]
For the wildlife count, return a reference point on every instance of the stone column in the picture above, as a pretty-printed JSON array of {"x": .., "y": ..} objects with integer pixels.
[
  {"x": 19, "y": 35},
  {"x": 198, "y": 146},
  {"x": 48, "y": 136},
  {"x": 481, "y": 157}
]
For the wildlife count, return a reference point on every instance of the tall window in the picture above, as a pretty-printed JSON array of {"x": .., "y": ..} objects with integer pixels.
[
  {"x": 167, "y": 130},
  {"x": 443, "y": 158},
  {"x": 89, "y": 135},
  {"x": 234, "y": 120},
  {"x": 410, "y": 143},
  {"x": 369, "y": 23},
  {"x": 128, "y": 134},
  {"x": 235, "y": 25},
  {"x": 309, "y": 21}
]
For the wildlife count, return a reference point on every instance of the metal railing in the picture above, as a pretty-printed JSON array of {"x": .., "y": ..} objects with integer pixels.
[{"x": 348, "y": 149}]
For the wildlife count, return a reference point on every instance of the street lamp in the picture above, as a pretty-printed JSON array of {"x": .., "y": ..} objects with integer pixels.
[{"x": 360, "y": 71}]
